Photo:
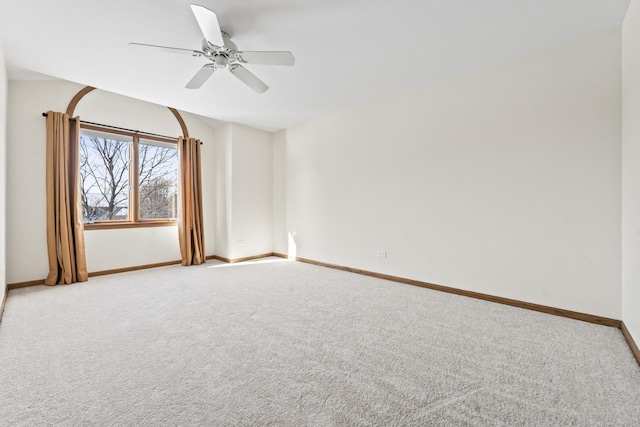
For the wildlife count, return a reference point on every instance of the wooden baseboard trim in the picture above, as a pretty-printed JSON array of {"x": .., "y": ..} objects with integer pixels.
[
  {"x": 280, "y": 255},
  {"x": 18, "y": 285},
  {"x": 4, "y": 301},
  {"x": 232, "y": 261},
  {"x": 29, "y": 283},
  {"x": 630, "y": 341},
  {"x": 477, "y": 295},
  {"x": 134, "y": 268}
]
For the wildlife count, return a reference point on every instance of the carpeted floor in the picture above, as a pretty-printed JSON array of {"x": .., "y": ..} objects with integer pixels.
[{"x": 289, "y": 344}]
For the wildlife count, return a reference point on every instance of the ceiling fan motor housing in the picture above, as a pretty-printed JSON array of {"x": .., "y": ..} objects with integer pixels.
[{"x": 221, "y": 56}]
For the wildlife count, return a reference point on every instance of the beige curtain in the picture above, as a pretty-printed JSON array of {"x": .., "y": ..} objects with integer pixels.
[
  {"x": 190, "y": 222},
  {"x": 65, "y": 232}
]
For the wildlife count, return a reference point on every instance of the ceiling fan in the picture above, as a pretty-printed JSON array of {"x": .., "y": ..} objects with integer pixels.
[{"x": 218, "y": 48}]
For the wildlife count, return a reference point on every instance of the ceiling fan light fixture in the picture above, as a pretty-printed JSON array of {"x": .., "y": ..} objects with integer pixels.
[{"x": 220, "y": 61}]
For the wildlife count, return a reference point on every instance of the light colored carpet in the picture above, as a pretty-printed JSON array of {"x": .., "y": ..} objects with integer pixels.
[{"x": 289, "y": 344}]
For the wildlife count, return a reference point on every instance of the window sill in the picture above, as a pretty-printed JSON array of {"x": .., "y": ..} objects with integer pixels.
[{"x": 141, "y": 224}]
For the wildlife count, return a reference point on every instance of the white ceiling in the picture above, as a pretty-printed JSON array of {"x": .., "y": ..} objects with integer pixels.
[{"x": 348, "y": 52}]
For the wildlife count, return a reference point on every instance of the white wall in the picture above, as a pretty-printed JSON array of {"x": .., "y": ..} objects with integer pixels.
[
  {"x": 505, "y": 181},
  {"x": 252, "y": 194},
  {"x": 26, "y": 197},
  {"x": 3, "y": 181},
  {"x": 631, "y": 170},
  {"x": 223, "y": 190},
  {"x": 244, "y": 165},
  {"x": 280, "y": 193}
]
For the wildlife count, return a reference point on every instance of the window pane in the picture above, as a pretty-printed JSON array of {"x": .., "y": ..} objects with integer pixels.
[
  {"x": 158, "y": 180},
  {"x": 104, "y": 175}
]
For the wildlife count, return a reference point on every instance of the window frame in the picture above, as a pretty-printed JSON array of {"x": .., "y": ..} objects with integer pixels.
[{"x": 134, "y": 220}]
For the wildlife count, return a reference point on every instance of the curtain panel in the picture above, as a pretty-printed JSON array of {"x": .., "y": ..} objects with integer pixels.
[
  {"x": 190, "y": 221},
  {"x": 65, "y": 231}
]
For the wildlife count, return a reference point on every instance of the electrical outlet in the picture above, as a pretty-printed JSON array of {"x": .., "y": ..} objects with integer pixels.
[
  {"x": 241, "y": 242},
  {"x": 381, "y": 254}
]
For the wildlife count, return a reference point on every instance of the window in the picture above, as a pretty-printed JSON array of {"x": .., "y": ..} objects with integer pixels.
[
  {"x": 127, "y": 180},
  {"x": 104, "y": 176},
  {"x": 157, "y": 180}
]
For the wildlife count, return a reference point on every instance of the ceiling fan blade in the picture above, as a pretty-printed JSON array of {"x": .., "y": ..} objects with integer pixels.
[
  {"x": 177, "y": 50},
  {"x": 208, "y": 22},
  {"x": 248, "y": 78},
  {"x": 201, "y": 76},
  {"x": 268, "y": 58}
]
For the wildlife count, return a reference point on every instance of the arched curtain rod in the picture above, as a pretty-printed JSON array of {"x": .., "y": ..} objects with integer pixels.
[{"x": 124, "y": 129}]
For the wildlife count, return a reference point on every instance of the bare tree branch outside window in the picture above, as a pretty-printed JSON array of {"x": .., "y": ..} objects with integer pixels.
[
  {"x": 104, "y": 176},
  {"x": 158, "y": 180}
]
